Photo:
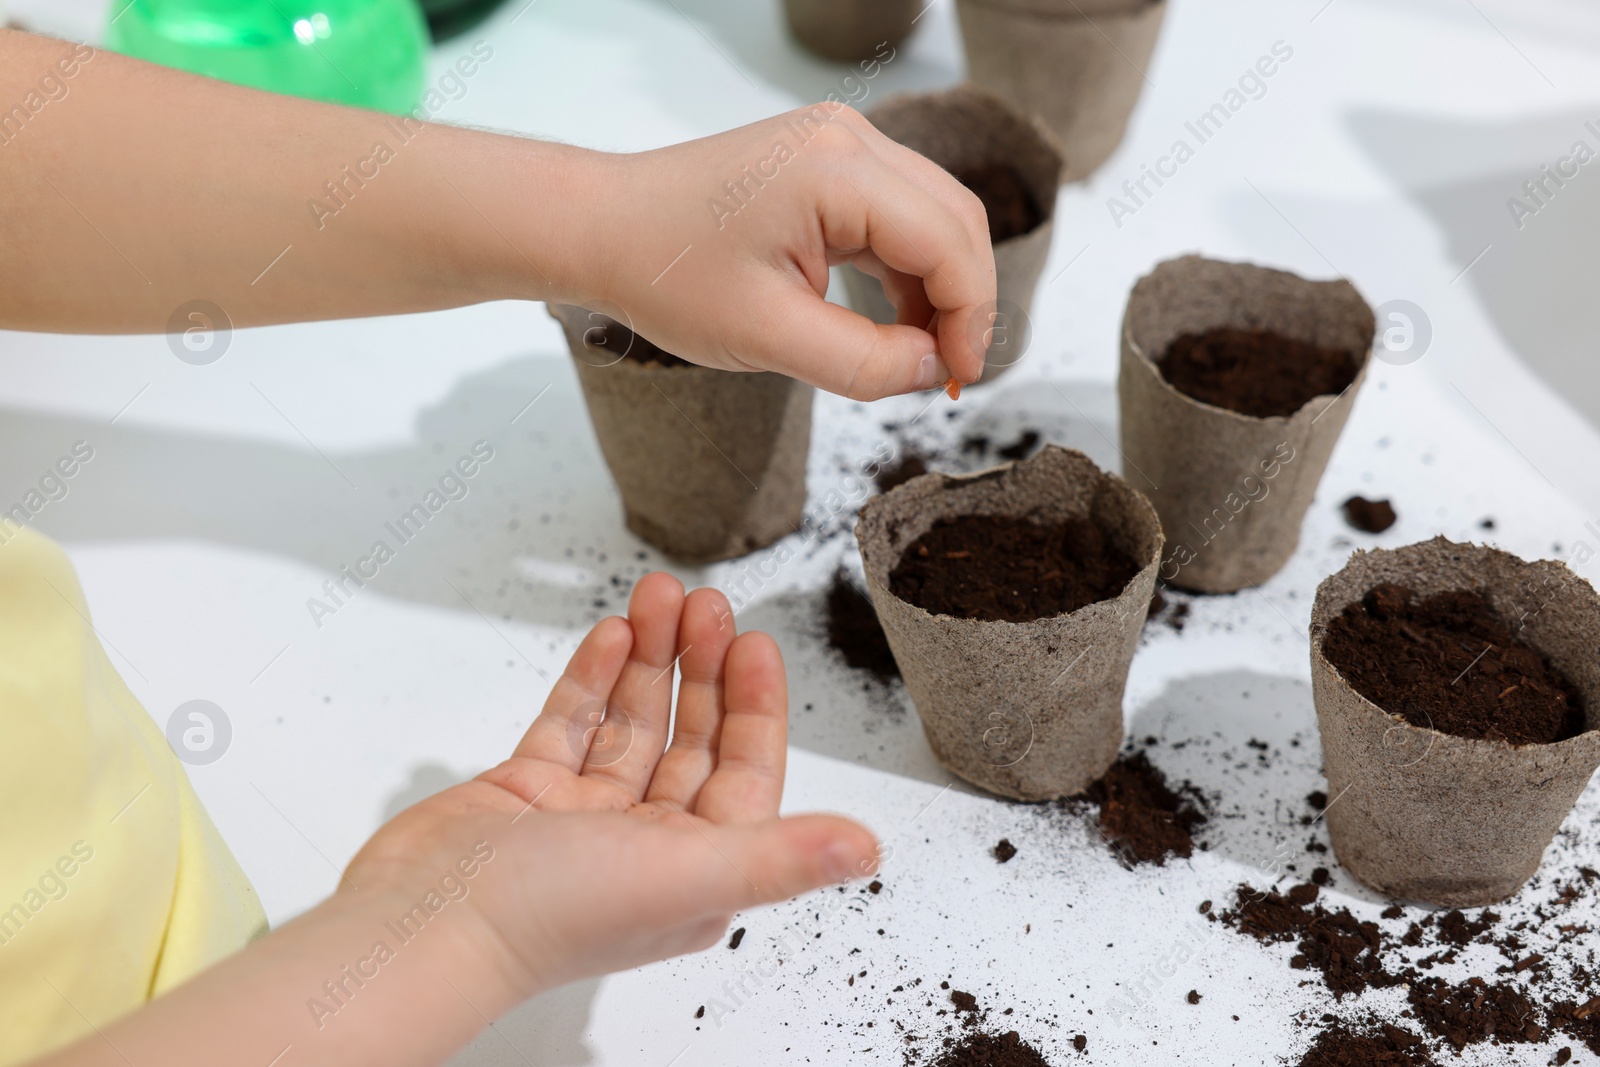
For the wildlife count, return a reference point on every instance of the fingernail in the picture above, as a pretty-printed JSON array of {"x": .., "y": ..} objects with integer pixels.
[{"x": 931, "y": 373}]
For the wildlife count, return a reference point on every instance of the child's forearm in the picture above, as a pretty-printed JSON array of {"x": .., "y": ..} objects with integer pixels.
[
  {"x": 341, "y": 986},
  {"x": 137, "y": 189}
]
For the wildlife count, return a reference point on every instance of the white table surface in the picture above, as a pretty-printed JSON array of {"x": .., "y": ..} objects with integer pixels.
[{"x": 220, "y": 499}]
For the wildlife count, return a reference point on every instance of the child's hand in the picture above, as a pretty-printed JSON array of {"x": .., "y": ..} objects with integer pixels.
[
  {"x": 718, "y": 250},
  {"x": 747, "y": 292},
  {"x": 612, "y": 849}
]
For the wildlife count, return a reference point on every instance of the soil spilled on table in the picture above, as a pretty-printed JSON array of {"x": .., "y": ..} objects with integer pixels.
[
  {"x": 994, "y": 567},
  {"x": 910, "y": 464},
  {"x": 1368, "y": 516},
  {"x": 1474, "y": 1011},
  {"x": 853, "y": 630},
  {"x": 1346, "y": 951},
  {"x": 991, "y": 1050},
  {"x": 1254, "y": 372},
  {"x": 1141, "y": 816},
  {"x": 1448, "y": 663},
  {"x": 1378, "y": 1045},
  {"x": 1007, "y": 200}
]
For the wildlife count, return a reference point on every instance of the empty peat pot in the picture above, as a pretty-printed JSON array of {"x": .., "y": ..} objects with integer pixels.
[
  {"x": 711, "y": 464},
  {"x": 1077, "y": 64},
  {"x": 1451, "y": 820},
  {"x": 1031, "y": 709},
  {"x": 1233, "y": 488},
  {"x": 848, "y": 30},
  {"x": 1013, "y": 164}
]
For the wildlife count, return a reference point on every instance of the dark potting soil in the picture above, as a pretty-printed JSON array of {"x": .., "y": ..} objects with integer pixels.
[
  {"x": 1141, "y": 815},
  {"x": 853, "y": 630},
  {"x": 1009, "y": 202},
  {"x": 1346, "y": 951},
  {"x": 1474, "y": 1011},
  {"x": 1578, "y": 1021},
  {"x": 910, "y": 465},
  {"x": 994, "y": 567},
  {"x": 991, "y": 1050},
  {"x": 623, "y": 343},
  {"x": 1369, "y": 516},
  {"x": 1382, "y": 1045},
  {"x": 1448, "y": 663},
  {"x": 1003, "y": 851},
  {"x": 1021, "y": 448},
  {"x": 1254, "y": 372}
]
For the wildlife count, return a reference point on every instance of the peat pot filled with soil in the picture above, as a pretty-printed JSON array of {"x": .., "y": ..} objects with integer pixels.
[
  {"x": 1235, "y": 383},
  {"x": 1013, "y": 164},
  {"x": 1077, "y": 64},
  {"x": 1013, "y": 600},
  {"x": 711, "y": 464},
  {"x": 850, "y": 30},
  {"x": 1458, "y": 693}
]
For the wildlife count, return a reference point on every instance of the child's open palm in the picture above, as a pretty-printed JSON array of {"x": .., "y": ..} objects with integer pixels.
[{"x": 612, "y": 846}]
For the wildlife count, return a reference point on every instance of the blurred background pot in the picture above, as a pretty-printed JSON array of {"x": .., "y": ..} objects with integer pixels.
[
  {"x": 1077, "y": 64},
  {"x": 850, "y": 30}
]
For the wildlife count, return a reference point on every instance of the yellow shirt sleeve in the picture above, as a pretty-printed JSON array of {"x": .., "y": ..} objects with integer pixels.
[{"x": 114, "y": 884}]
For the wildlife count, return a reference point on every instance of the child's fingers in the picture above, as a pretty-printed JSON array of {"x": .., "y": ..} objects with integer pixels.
[
  {"x": 747, "y": 784},
  {"x": 704, "y": 634},
  {"x": 903, "y": 290},
  {"x": 626, "y": 747},
  {"x": 782, "y": 858},
  {"x": 837, "y": 350},
  {"x": 573, "y": 710},
  {"x": 912, "y": 231}
]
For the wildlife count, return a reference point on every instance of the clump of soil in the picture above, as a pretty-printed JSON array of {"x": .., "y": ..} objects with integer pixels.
[
  {"x": 1455, "y": 928},
  {"x": 1023, "y": 447},
  {"x": 1382, "y": 1045},
  {"x": 1003, "y": 850},
  {"x": 1141, "y": 815},
  {"x": 854, "y": 633},
  {"x": 1448, "y": 663},
  {"x": 1347, "y": 951},
  {"x": 994, "y": 567},
  {"x": 1177, "y": 618},
  {"x": 1009, "y": 202},
  {"x": 911, "y": 464},
  {"x": 991, "y": 1050},
  {"x": 1369, "y": 516},
  {"x": 1254, "y": 372},
  {"x": 1474, "y": 1011},
  {"x": 623, "y": 343},
  {"x": 1579, "y": 1021}
]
